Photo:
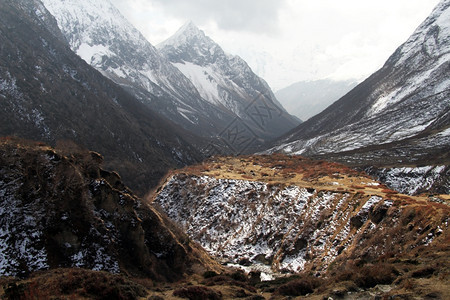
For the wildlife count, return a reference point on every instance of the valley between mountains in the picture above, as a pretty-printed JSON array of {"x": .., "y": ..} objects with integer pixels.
[{"x": 129, "y": 171}]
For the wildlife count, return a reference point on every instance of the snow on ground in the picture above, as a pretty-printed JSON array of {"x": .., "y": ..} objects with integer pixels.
[
  {"x": 410, "y": 180},
  {"x": 21, "y": 239},
  {"x": 283, "y": 227}
]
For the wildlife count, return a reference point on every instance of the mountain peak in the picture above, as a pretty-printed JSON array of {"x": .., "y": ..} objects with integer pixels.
[
  {"x": 189, "y": 25},
  {"x": 185, "y": 35}
]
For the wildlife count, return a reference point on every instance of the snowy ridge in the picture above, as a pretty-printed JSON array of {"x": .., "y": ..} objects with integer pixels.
[
  {"x": 209, "y": 67},
  {"x": 432, "y": 37},
  {"x": 183, "y": 35},
  {"x": 407, "y": 97},
  {"x": 99, "y": 34},
  {"x": 415, "y": 180}
]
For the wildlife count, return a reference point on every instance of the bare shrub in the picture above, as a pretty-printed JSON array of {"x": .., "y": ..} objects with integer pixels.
[
  {"x": 368, "y": 276},
  {"x": 299, "y": 287},
  {"x": 197, "y": 293}
]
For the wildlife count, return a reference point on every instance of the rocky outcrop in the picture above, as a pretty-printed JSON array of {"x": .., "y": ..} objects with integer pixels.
[{"x": 62, "y": 210}]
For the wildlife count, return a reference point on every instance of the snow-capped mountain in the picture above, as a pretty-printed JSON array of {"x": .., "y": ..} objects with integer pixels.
[
  {"x": 98, "y": 33},
  {"x": 406, "y": 104},
  {"x": 305, "y": 99},
  {"x": 226, "y": 81}
]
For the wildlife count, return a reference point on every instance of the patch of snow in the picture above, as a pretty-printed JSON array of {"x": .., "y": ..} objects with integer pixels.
[
  {"x": 371, "y": 202},
  {"x": 204, "y": 79},
  {"x": 266, "y": 272},
  {"x": 446, "y": 132},
  {"x": 92, "y": 54},
  {"x": 371, "y": 183},
  {"x": 184, "y": 113}
]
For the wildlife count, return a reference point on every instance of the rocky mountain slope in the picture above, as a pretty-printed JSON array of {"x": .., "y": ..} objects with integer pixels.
[
  {"x": 48, "y": 93},
  {"x": 291, "y": 214},
  {"x": 99, "y": 34},
  {"x": 227, "y": 82},
  {"x": 306, "y": 99},
  {"x": 63, "y": 210},
  {"x": 401, "y": 112}
]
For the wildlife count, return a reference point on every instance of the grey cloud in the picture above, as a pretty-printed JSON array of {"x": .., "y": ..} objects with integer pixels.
[{"x": 240, "y": 15}]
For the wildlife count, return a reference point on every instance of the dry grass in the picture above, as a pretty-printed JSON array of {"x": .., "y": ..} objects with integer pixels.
[
  {"x": 282, "y": 169},
  {"x": 198, "y": 293},
  {"x": 74, "y": 284}
]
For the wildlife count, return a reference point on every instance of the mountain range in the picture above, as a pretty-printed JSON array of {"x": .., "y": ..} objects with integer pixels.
[{"x": 98, "y": 33}]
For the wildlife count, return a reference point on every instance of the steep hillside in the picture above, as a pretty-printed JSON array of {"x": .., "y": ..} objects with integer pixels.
[
  {"x": 400, "y": 112},
  {"x": 63, "y": 210},
  {"x": 306, "y": 99},
  {"x": 291, "y": 214},
  {"x": 227, "y": 82},
  {"x": 48, "y": 93}
]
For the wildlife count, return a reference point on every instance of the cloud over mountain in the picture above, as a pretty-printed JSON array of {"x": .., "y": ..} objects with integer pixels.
[{"x": 241, "y": 15}]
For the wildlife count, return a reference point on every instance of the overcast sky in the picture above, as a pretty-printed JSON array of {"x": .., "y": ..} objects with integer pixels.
[{"x": 286, "y": 41}]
